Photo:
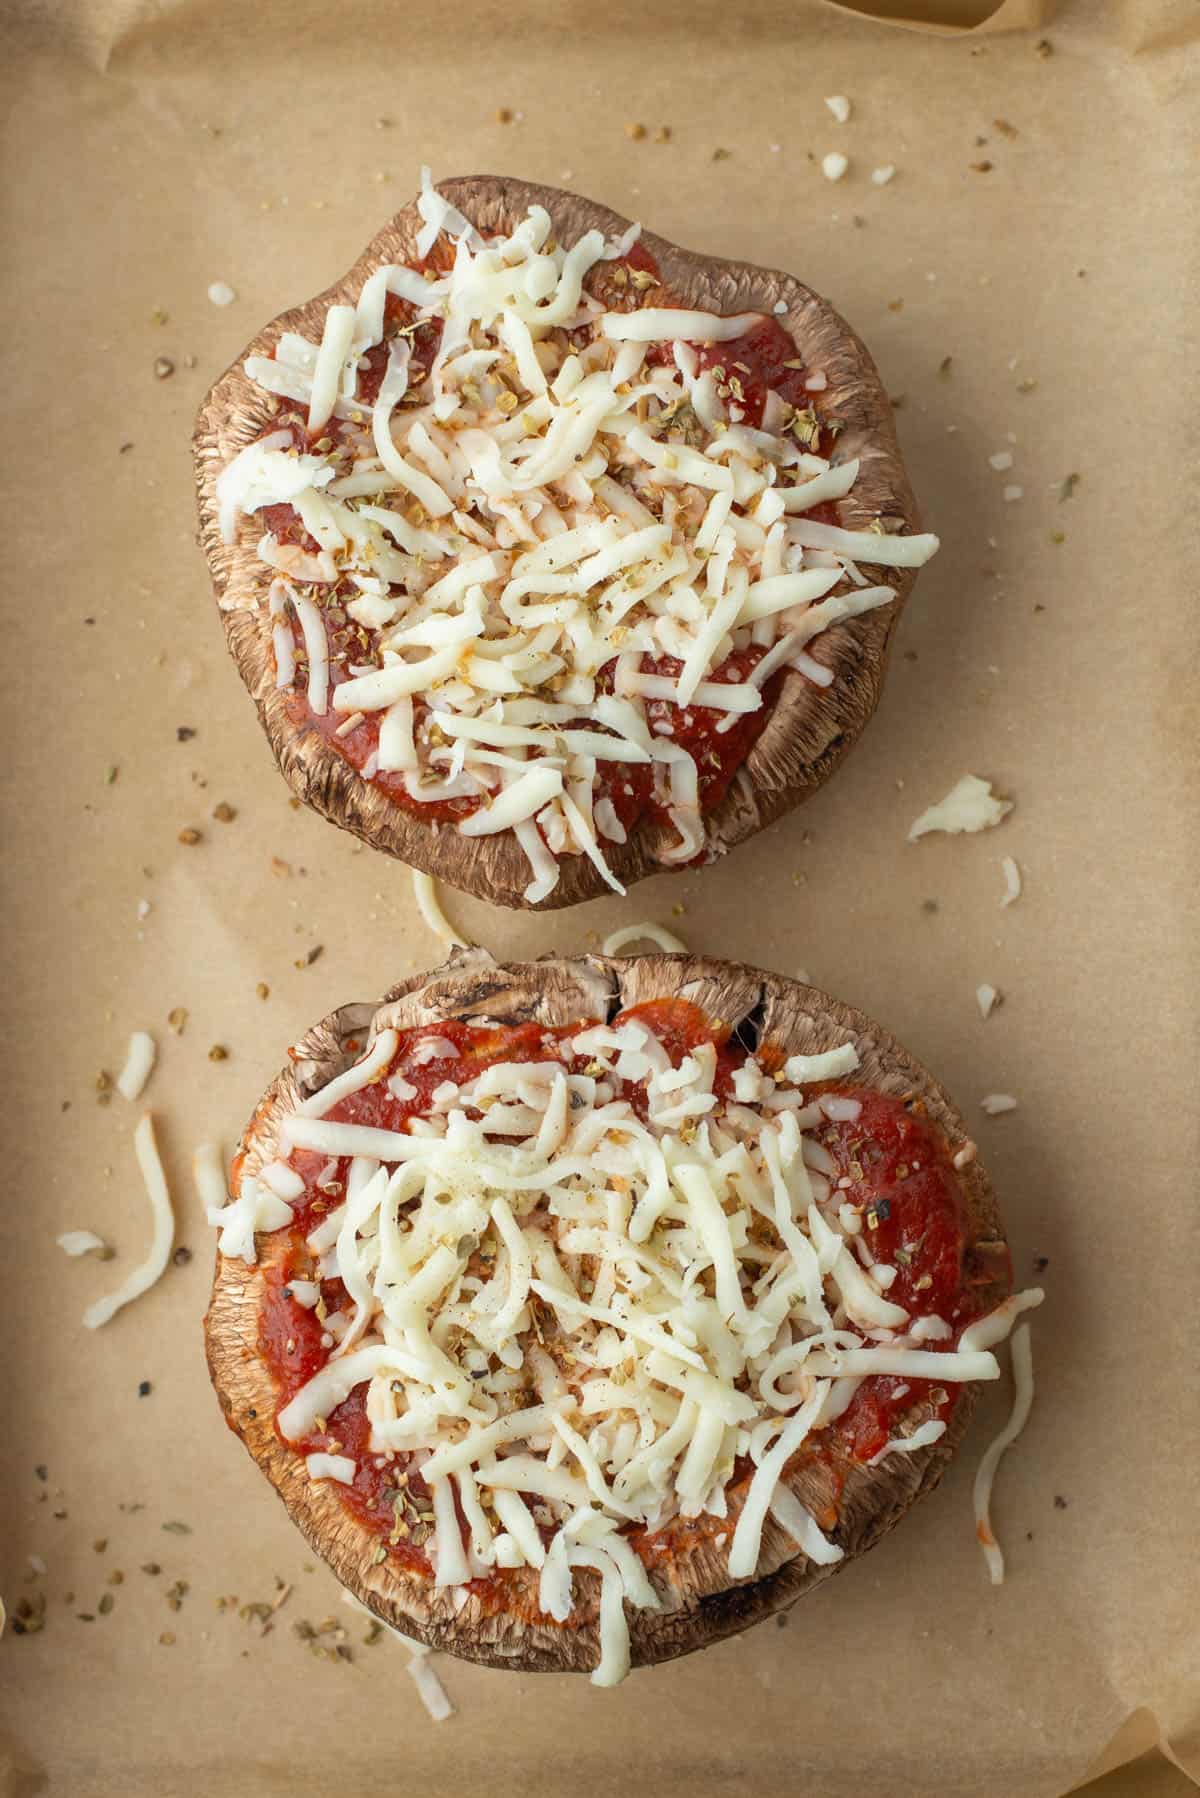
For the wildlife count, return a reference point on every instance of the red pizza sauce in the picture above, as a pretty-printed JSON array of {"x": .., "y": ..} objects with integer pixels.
[
  {"x": 718, "y": 753},
  {"x": 895, "y": 1164},
  {"x": 764, "y": 359}
]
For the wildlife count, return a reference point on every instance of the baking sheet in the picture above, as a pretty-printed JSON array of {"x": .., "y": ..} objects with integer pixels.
[{"x": 152, "y": 149}]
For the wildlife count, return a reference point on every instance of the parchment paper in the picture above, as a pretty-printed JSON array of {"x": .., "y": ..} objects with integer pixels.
[{"x": 1041, "y": 306}]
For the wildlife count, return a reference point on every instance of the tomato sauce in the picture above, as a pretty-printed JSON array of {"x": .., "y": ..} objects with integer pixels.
[
  {"x": 897, "y": 1168},
  {"x": 629, "y": 785}
]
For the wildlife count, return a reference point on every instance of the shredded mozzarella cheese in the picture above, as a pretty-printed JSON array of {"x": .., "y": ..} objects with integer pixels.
[
  {"x": 139, "y": 1065},
  {"x": 577, "y": 1314},
  {"x": 997, "y": 1103},
  {"x": 1012, "y": 880},
  {"x": 430, "y": 1689},
  {"x": 83, "y": 1242},
  {"x": 518, "y": 513},
  {"x": 1022, "y": 1365},
  {"x": 618, "y": 940},
  {"x": 969, "y": 805},
  {"x": 151, "y": 1269},
  {"x": 425, "y": 892}
]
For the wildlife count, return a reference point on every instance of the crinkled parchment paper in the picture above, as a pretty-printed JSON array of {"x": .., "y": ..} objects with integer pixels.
[{"x": 1027, "y": 283}]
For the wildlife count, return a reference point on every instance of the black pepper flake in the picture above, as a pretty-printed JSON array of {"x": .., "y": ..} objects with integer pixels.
[
  {"x": 314, "y": 954},
  {"x": 1040, "y": 1263},
  {"x": 174, "y": 1528},
  {"x": 42, "y": 1473},
  {"x": 144, "y": 1389},
  {"x": 182, "y": 1256},
  {"x": 1060, "y": 1503},
  {"x": 929, "y": 905},
  {"x": 184, "y": 733}
]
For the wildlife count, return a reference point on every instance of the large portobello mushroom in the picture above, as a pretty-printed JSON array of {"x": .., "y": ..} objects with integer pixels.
[
  {"x": 885, "y": 1158},
  {"x": 318, "y": 590}
]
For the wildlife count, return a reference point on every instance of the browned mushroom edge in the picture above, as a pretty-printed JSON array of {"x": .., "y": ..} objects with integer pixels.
[
  {"x": 811, "y": 728},
  {"x": 701, "y": 1605}
]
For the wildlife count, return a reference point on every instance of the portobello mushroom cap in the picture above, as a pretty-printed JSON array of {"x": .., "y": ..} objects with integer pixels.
[
  {"x": 810, "y": 729},
  {"x": 700, "y": 1602}
]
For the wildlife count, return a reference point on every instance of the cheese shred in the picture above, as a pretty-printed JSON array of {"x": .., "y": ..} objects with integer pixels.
[
  {"x": 152, "y": 1268},
  {"x": 425, "y": 891},
  {"x": 618, "y": 940},
  {"x": 139, "y": 1065},
  {"x": 1022, "y": 1366}
]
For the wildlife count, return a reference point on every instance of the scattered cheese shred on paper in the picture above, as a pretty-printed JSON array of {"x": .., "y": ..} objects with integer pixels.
[
  {"x": 987, "y": 998},
  {"x": 151, "y": 1269},
  {"x": 1012, "y": 880},
  {"x": 421, "y": 1671},
  {"x": 617, "y": 940},
  {"x": 969, "y": 805},
  {"x": 429, "y": 904},
  {"x": 997, "y": 1103},
  {"x": 139, "y": 1065},
  {"x": 430, "y": 1689},
  {"x": 82, "y": 1242},
  {"x": 1023, "y": 1389}
]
